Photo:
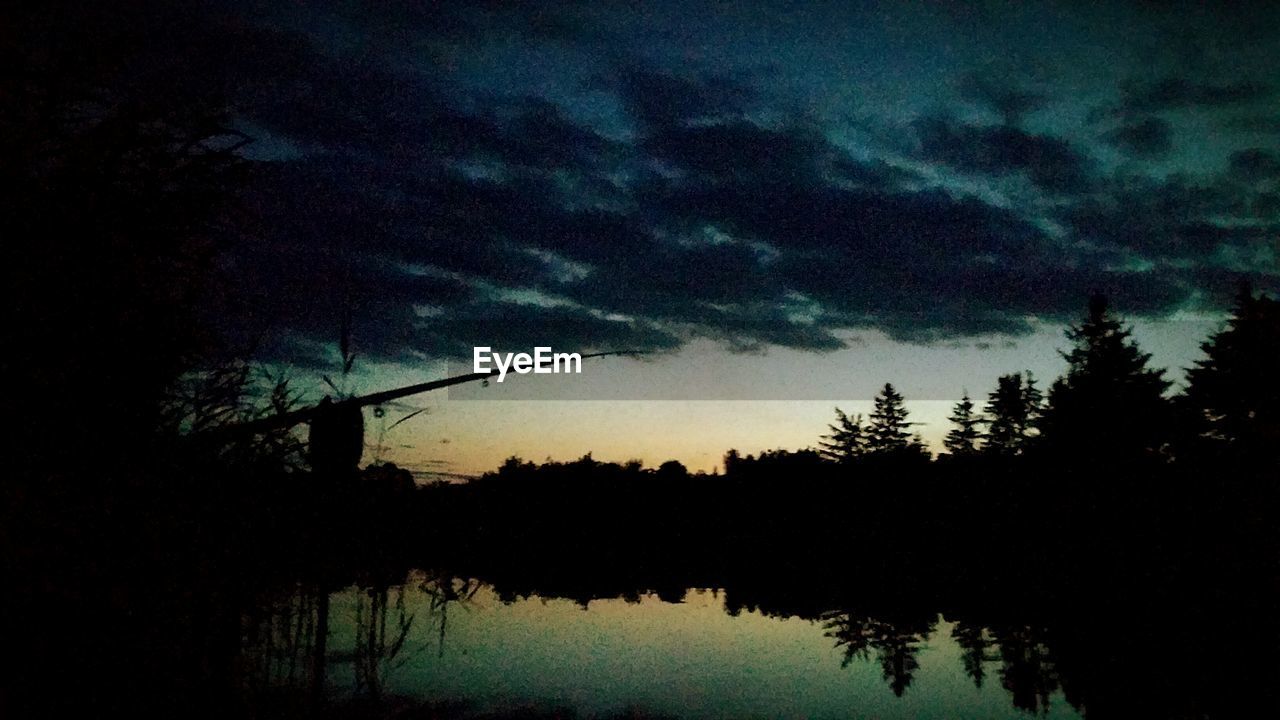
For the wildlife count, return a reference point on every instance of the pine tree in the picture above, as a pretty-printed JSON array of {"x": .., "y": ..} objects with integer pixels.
[
  {"x": 1033, "y": 409},
  {"x": 1109, "y": 403},
  {"x": 962, "y": 440},
  {"x": 847, "y": 440},
  {"x": 1012, "y": 414},
  {"x": 1005, "y": 416},
  {"x": 1234, "y": 392},
  {"x": 887, "y": 432}
]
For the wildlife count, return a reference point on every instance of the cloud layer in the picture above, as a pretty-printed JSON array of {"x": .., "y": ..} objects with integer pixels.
[{"x": 435, "y": 202}]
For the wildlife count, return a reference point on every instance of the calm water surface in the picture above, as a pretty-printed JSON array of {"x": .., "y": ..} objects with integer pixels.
[{"x": 686, "y": 659}]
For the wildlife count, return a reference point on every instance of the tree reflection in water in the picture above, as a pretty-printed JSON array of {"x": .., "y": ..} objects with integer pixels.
[
  {"x": 296, "y": 647},
  {"x": 897, "y": 644},
  {"x": 286, "y": 640}
]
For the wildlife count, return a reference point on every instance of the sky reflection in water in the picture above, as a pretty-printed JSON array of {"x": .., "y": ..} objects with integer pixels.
[{"x": 690, "y": 660}]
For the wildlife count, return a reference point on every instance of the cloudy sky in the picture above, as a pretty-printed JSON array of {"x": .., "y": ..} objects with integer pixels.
[{"x": 790, "y": 203}]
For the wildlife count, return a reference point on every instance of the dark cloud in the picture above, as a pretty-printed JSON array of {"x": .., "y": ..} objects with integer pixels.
[
  {"x": 1178, "y": 93},
  {"x": 1009, "y": 100},
  {"x": 512, "y": 326},
  {"x": 755, "y": 327},
  {"x": 1264, "y": 206},
  {"x": 292, "y": 88},
  {"x": 542, "y": 136},
  {"x": 1255, "y": 164},
  {"x": 668, "y": 281},
  {"x": 1256, "y": 124},
  {"x": 434, "y": 218},
  {"x": 415, "y": 27},
  {"x": 1183, "y": 220},
  {"x": 659, "y": 100},
  {"x": 1147, "y": 139},
  {"x": 1049, "y": 162},
  {"x": 740, "y": 149}
]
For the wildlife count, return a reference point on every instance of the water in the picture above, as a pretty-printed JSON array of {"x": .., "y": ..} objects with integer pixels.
[{"x": 460, "y": 644}]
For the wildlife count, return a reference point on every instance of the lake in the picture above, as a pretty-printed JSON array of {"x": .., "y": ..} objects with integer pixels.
[{"x": 461, "y": 647}]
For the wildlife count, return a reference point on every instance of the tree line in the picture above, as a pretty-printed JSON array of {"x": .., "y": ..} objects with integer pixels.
[{"x": 1109, "y": 405}]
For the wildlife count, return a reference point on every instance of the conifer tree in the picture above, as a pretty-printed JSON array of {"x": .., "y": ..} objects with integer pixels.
[
  {"x": 962, "y": 440},
  {"x": 888, "y": 430},
  {"x": 887, "y": 433},
  {"x": 1109, "y": 403},
  {"x": 1012, "y": 414},
  {"x": 847, "y": 440},
  {"x": 1233, "y": 394},
  {"x": 1033, "y": 409},
  {"x": 1005, "y": 419}
]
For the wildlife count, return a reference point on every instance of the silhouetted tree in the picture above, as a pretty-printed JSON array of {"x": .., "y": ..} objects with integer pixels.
[
  {"x": 897, "y": 645},
  {"x": 1109, "y": 404},
  {"x": 1012, "y": 413},
  {"x": 962, "y": 440},
  {"x": 899, "y": 650},
  {"x": 887, "y": 433},
  {"x": 1003, "y": 415},
  {"x": 119, "y": 164},
  {"x": 977, "y": 649},
  {"x": 853, "y": 633},
  {"x": 1233, "y": 394},
  {"x": 673, "y": 470},
  {"x": 847, "y": 441},
  {"x": 1027, "y": 669},
  {"x": 732, "y": 461},
  {"x": 515, "y": 467},
  {"x": 1033, "y": 401}
]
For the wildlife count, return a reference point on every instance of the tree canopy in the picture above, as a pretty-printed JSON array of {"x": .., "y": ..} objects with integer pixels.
[
  {"x": 888, "y": 432},
  {"x": 962, "y": 440},
  {"x": 1233, "y": 394},
  {"x": 847, "y": 440},
  {"x": 1109, "y": 403},
  {"x": 1012, "y": 414}
]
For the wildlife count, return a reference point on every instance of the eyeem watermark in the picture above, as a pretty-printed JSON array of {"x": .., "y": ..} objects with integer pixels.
[{"x": 541, "y": 362}]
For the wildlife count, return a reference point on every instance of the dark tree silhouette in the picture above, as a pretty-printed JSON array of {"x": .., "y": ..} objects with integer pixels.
[
  {"x": 732, "y": 461},
  {"x": 120, "y": 167},
  {"x": 897, "y": 645},
  {"x": 899, "y": 650},
  {"x": 887, "y": 433},
  {"x": 1233, "y": 394},
  {"x": 1004, "y": 416},
  {"x": 673, "y": 470},
  {"x": 1109, "y": 404},
  {"x": 854, "y": 634},
  {"x": 1012, "y": 414},
  {"x": 1033, "y": 409},
  {"x": 1027, "y": 669},
  {"x": 847, "y": 440},
  {"x": 962, "y": 440},
  {"x": 977, "y": 649}
]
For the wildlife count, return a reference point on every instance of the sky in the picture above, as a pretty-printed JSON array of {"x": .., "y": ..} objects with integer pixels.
[{"x": 787, "y": 204}]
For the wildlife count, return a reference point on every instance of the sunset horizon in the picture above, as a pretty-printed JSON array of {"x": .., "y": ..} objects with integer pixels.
[{"x": 533, "y": 360}]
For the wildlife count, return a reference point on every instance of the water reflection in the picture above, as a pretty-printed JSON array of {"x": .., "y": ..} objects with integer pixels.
[
  {"x": 452, "y": 647},
  {"x": 1027, "y": 670},
  {"x": 977, "y": 647},
  {"x": 896, "y": 644}
]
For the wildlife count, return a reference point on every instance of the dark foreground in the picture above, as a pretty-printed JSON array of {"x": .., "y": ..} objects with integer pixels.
[{"x": 1146, "y": 594}]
